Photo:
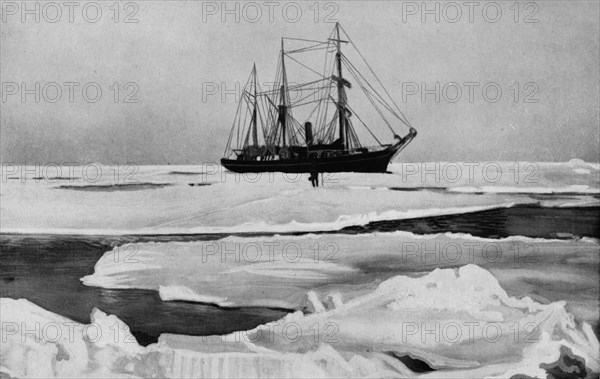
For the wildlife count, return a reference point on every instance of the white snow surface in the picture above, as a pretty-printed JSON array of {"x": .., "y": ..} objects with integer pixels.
[
  {"x": 208, "y": 199},
  {"x": 459, "y": 321},
  {"x": 368, "y": 299},
  {"x": 279, "y": 271}
]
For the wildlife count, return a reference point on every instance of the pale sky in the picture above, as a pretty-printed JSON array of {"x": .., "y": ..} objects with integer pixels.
[{"x": 176, "y": 46}]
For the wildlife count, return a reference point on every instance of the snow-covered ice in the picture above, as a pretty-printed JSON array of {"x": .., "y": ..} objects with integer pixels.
[
  {"x": 278, "y": 271},
  {"x": 362, "y": 305},
  {"x": 460, "y": 322},
  {"x": 207, "y": 199}
]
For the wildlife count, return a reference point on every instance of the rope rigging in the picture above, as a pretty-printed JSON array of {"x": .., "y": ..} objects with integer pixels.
[
  {"x": 264, "y": 119},
  {"x": 374, "y": 74}
]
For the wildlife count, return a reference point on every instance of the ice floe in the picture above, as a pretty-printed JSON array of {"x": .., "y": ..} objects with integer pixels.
[
  {"x": 279, "y": 271},
  {"x": 458, "y": 322},
  {"x": 162, "y": 200}
]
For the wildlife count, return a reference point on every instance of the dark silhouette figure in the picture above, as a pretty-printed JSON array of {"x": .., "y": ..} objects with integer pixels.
[{"x": 314, "y": 176}]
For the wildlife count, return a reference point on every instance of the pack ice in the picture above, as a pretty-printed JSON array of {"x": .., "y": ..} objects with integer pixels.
[
  {"x": 209, "y": 199},
  {"x": 454, "y": 322}
]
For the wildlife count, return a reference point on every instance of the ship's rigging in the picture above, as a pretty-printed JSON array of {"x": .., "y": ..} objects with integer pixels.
[{"x": 265, "y": 127}]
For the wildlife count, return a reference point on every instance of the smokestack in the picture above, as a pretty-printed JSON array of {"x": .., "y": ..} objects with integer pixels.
[{"x": 308, "y": 133}]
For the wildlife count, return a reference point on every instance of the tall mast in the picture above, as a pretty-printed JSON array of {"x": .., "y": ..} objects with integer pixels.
[
  {"x": 340, "y": 87},
  {"x": 283, "y": 106},
  {"x": 254, "y": 121}
]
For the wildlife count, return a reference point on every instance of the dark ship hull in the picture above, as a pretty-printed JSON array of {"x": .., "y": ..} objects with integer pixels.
[
  {"x": 367, "y": 161},
  {"x": 364, "y": 162}
]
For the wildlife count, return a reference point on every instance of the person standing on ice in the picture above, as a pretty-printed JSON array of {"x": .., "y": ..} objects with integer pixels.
[{"x": 314, "y": 176}]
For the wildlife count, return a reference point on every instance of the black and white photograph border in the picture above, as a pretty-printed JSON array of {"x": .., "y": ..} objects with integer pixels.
[{"x": 303, "y": 189}]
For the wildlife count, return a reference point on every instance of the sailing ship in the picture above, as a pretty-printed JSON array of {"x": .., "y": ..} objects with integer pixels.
[{"x": 266, "y": 137}]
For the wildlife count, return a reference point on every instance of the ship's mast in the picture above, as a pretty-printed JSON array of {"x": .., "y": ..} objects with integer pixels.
[
  {"x": 283, "y": 106},
  {"x": 254, "y": 121},
  {"x": 278, "y": 111},
  {"x": 340, "y": 87}
]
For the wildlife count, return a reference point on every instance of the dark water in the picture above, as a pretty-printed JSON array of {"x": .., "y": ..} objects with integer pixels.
[
  {"x": 525, "y": 220},
  {"x": 46, "y": 269},
  {"x": 114, "y": 187}
]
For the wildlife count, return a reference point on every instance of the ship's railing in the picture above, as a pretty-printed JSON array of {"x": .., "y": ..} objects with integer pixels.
[{"x": 261, "y": 154}]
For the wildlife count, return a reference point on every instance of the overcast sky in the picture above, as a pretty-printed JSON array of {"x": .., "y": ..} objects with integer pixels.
[{"x": 550, "y": 115}]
